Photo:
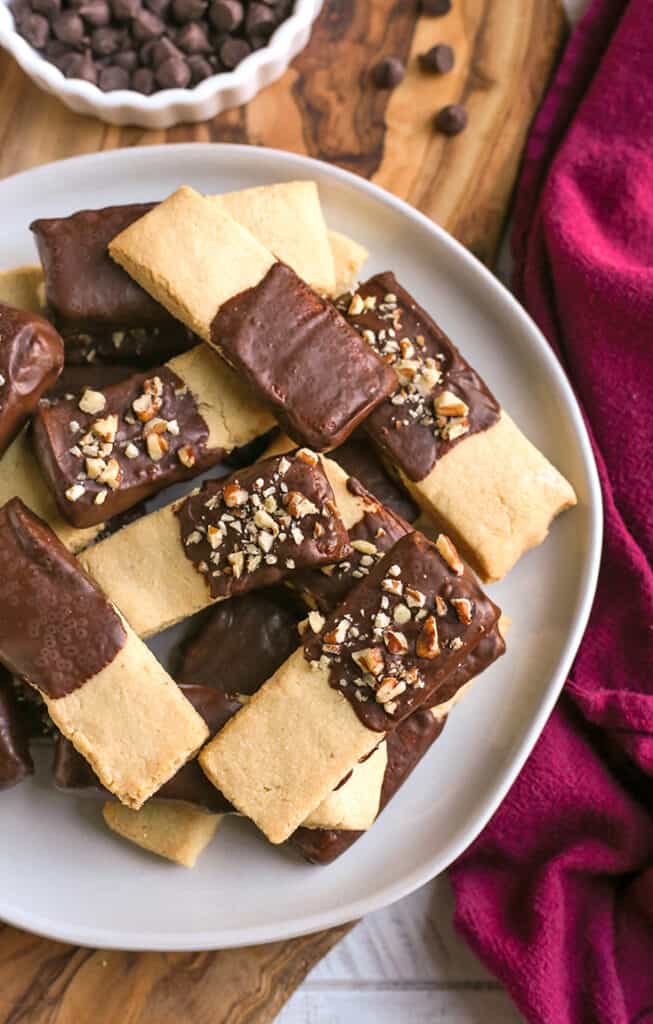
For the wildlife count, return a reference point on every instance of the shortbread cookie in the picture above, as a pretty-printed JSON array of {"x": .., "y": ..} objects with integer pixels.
[
  {"x": 457, "y": 452},
  {"x": 103, "y": 688},
  {"x": 23, "y": 287},
  {"x": 348, "y": 259},
  {"x": 31, "y": 359},
  {"x": 354, "y": 805},
  {"x": 278, "y": 334},
  {"x": 21, "y": 477},
  {"x": 405, "y": 748},
  {"x": 189, "y": 554},
  {"x": 287, "y": 219},
  {"x": 175, "y": 831},
  {"x": 104, "y": 451},
  {"x": 410, "y": 624},
  {"x": 15, "y": 759}
]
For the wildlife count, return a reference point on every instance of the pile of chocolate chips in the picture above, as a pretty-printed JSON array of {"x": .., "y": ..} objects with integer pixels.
[{"x": 147, "y": 45}]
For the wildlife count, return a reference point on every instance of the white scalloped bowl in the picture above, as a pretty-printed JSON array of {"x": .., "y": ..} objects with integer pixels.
[{"x": 169, "y": 106}]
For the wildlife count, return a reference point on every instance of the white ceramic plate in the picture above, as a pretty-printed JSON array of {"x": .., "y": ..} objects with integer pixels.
[{"x": 62, "y": 874}]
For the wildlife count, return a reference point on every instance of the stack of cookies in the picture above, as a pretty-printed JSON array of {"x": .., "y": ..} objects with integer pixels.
[{"x": 333, "y": 576}]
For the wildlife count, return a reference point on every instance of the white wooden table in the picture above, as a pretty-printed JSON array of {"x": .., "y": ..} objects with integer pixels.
[{"x": 405, "y": 964}]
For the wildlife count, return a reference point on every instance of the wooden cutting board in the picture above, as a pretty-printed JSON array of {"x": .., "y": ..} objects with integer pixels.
[{"x": 325, "y": 106}]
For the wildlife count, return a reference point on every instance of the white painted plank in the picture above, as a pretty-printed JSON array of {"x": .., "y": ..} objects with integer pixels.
[{"x": 398, "y": 1006}]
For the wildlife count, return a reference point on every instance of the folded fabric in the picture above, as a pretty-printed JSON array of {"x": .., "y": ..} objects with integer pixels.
[{"x": 556, "y": 895}]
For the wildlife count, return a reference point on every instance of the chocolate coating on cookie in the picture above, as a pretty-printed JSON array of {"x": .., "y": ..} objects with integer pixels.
[
  {"x": 438, "y": 399},
  {"x": 31, "y": 359},
  {"x": 403, "y": 631},
  {"x": 15, "y": 759},
  {"x": 104, "y": 451},
  {"x": 57, "y": 629},
  {"x": 285, "y": 341},
  {"x": 261, "y": 524}
]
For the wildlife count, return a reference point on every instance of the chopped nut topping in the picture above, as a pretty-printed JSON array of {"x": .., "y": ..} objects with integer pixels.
[
  {"x": 92, "y": 402},
  {"x": 449, "y": 554},
  {"x": 427, "y": 645},
  {"x": 356, "y": 306},
  {"x": 440, "y": 605},
  {"x": 235, "y": 496},
  {"x": 111, "y": 474},
  {"x": 298, "y": 505},
  {"x": 307, "y": 456},
  {"x": 365, "y": 547},
  {"x": 448, "y": 404},
  {"x": 395, "y": 641},
  {"x": 106, "y": 429},
  {"x": 316, "y": 621},
  {"x": 75, "y": 492},
  {"x": 237, "y": 561},
  {"x": 157, "y": 446},
  {"x": 186, "y": 456},
  {"x": 390, "y": 687},
  {"x": 414, "y": 598},
  {"x": 401, "y": 614},
  {"x": 94, "y": 467},
  {"x": 370, "y": 659},
  {"x": 463, "y": 608},
  {"x": 131, "y": 451},
  {"x": 392, "y": 586},
  {"x": 339, "y": 634}
]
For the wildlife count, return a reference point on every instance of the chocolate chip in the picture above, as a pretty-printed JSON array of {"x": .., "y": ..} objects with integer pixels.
[
  {"x": 199, "y": 69},
  {"x": 112, "y": 78},
  {"x": 36, "y": 30},
  {"x": 146, "y": 26},
  {"x": 159, "y": 7},
  {"x": 174, "y": 73},
  {"x": 79, "y": 65},
  {"x": 388, "y": 73},
  {"x": 435, "y": 7},
  {"x": 47, "y": 7},
  {"x": 68, "y": 27},
  {"x": 105, "y": 41},
  {"x": 260, "y": 20},
  {"x": 451, "y": 120},
  {"x": 188, "y": 10},
  {"x": 125, "y": 10},
  {"x": 193, "y": 38},
  {"x": 439, "y": 58},
  {"x": 54, "y": 50},
  {"x": 233, "y": 51},
  {"x": 143, "y": 81},
  {"x": 226, "y": 15},
  {"x": 95, "y": 13},
  {"x": 127, "y": 59},
  {"x": 160, "y": 51}
]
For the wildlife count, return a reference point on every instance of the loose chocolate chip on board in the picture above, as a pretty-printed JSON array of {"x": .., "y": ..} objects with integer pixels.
[
  {"x": 233, "y": 51},
  {"x": 79, "y": 65},
  {"x": 388, "y": 73},
  {"x": 160, "y": 51},
  {"x": 439, "y": 58},
  {"x": 435, "y": 8},
  {"x": 451, "y": 120},
  {"x": 226, "y": 15}
]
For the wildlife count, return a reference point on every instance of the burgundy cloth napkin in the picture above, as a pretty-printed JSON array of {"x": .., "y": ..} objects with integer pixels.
[{"x": 556, "y": 895}]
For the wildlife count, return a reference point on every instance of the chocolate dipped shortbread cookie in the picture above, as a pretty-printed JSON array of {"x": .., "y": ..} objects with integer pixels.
[
  {"x": 103, "y": 688},
  {"x": 454, "y": 448}
]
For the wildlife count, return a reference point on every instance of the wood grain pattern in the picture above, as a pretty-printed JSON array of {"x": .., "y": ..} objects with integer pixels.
[
  {"x": 325, "y": 106},
  {"x": 47, "y": 982}
]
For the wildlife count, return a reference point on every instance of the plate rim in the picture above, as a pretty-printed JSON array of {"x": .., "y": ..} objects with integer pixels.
[{"x": 214, "y": 938}]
